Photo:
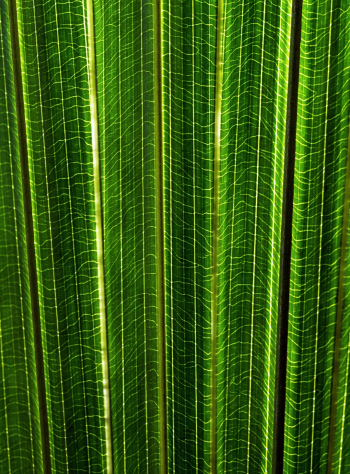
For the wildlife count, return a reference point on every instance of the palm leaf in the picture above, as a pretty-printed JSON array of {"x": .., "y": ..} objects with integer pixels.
[
  {"x": 20, "y": 443},
  {"x": 156, "y": 137},
  {"x": 251, "y": 179},
  {"x": 57, "y": 108},
  {"x": 189, "y": 35},
  {"x": 341, "y": 461},
  {"x": 125, "y": 52},
  {"x": 317, "y": 226},
  {"x": 338, "y": 431}
]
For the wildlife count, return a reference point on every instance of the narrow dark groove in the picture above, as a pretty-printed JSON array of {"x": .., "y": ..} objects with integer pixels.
[
  {"x": 286, "y": 240},
  {"x": 158, "y": 119},
  {"x": 214, "y": 302},
  {"x": 27, "y": 204},
  {"x": 339, "y": 316}
]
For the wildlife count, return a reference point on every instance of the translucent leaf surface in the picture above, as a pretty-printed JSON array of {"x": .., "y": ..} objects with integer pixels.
[
  {"x": 54, "y": 42},
  {"x": 20, "y": 444},
  {"x": 174, "y": 116}
]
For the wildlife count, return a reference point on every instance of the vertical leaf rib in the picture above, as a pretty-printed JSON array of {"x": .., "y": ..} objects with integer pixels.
[
  {"x": 99, "y": 232},
  {"x": 158, "y": 125},
  {"x": 216, "y": 210},
  {"x": 58, "y": 125}
]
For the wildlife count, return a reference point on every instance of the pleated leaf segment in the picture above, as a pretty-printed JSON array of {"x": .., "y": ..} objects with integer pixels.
[
  {"x": 254, "y": 98},
  {"x": 20, "y": 442},
  {"x": 340, "y": 462},
  {"x": 321, "y": 154},
  {"x": 339, "y": 430},
  {"x": 125, "y": 45},
  {"x": 189, "y": 50},
  {"x": 54, "y": 53}
]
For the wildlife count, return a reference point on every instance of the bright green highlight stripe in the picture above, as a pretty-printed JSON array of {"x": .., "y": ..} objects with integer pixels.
[
  {"x": 99, "y": 233},
  {"x": 159, "y": 164},
  {"x": 220, "y": 35}
]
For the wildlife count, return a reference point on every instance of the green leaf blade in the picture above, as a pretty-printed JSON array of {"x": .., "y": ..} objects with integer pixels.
[
  {"x": 317, "y": 223},
  {"x": 341, "y": 458},
  {"x": 20, "y": 443},
  {"x": 252, "y": 156},
  {"x": 56, "y": 94},
  {"x": 125, "y": 65},
  {"x": 189, "y": 38}
]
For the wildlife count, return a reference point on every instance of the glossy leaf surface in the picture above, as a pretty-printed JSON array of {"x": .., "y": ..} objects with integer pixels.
[{"x": 185, "y": 135}]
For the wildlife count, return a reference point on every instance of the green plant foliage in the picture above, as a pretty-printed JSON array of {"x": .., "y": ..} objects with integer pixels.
[
  {"x": 125, "y": 62},
  {"x": 20, "y": 444},
  {"x": 323, "y": 121},
  {"x": 251, "y": 179},
  {"x": 56, "y": 96},
  {"x": 188, "y": 42},
  {"x": 189, "y": 153},
  {"x": 341, "y": 459}
]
